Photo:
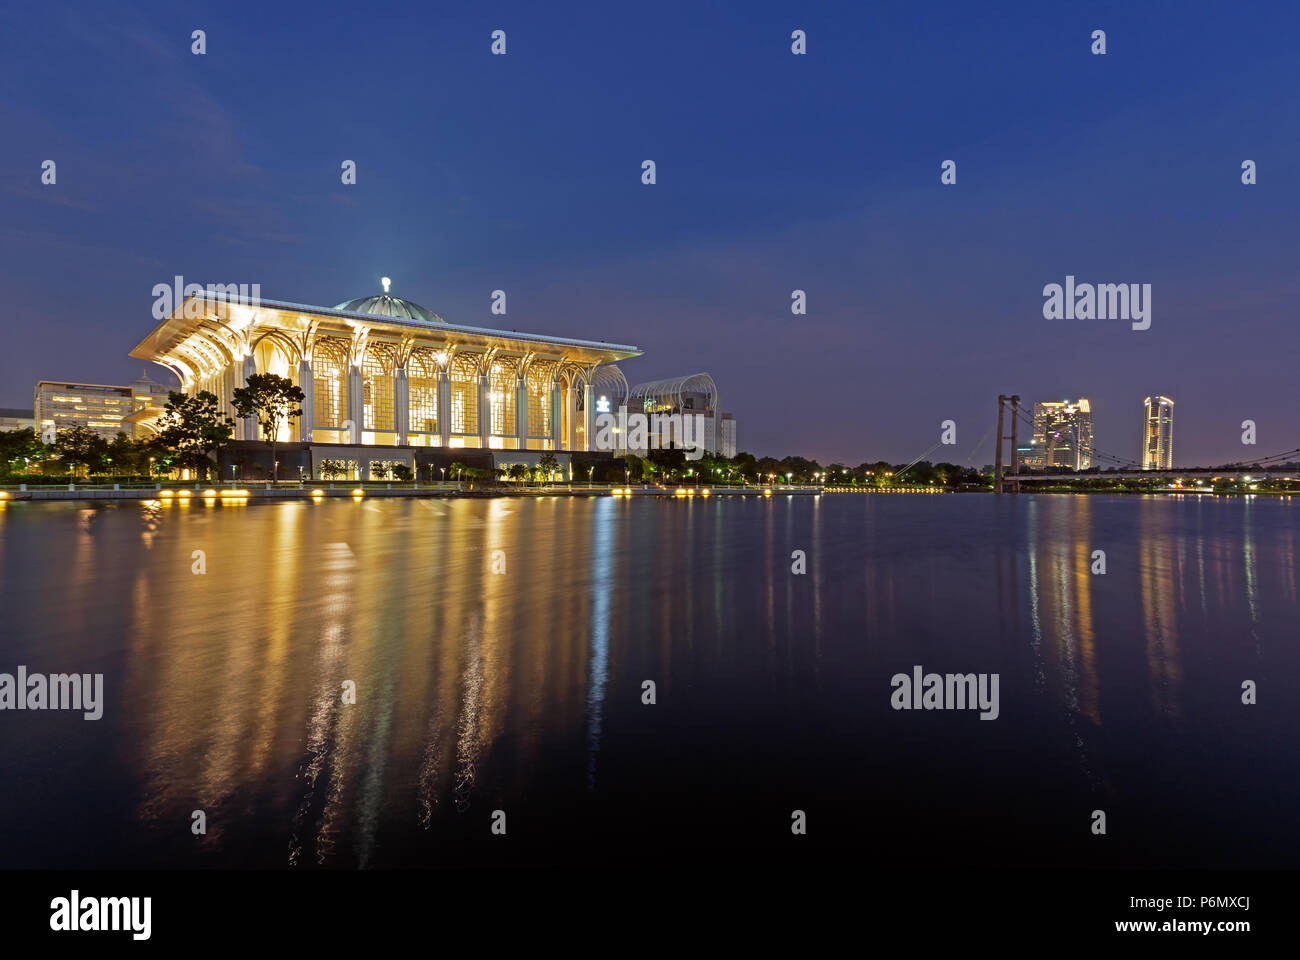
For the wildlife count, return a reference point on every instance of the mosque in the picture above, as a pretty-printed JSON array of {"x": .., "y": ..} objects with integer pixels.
[{"x": 390, "y": 382}]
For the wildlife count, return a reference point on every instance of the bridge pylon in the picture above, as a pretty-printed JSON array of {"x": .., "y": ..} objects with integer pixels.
[{"x": 1007, "y": 483}]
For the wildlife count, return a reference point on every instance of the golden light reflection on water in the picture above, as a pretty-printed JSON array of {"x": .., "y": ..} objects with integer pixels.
[
  {"x": 1156, "y": 570},
  {"x": 1060, "y": 580},
  {"x": 467, "y": 679}
]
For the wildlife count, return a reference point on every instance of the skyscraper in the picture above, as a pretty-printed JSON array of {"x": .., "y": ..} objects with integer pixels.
[
  {"x": 1158, "y": 434},
  {"x": 1063, "y": 432}
]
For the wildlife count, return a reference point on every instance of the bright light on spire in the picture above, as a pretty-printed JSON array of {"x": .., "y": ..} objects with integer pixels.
[{"x": 385, "y": 281}]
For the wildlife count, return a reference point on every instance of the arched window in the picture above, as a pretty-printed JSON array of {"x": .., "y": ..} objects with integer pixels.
[
  {"x": 502, "y": 387},
  {"x": 538, "y": 380},
  {"x": 464, "y": 395},
  {"x": 377, "y": 386},
  {"x": 422, "y": 388}
]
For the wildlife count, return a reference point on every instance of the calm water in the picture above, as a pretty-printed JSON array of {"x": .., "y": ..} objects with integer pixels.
[{"x": 522, "y": 692}]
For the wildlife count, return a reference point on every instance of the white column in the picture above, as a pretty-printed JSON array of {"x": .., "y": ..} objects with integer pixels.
[
  {"x": 248, "y": 368},
  {"x": 556, "y": 401},
  {"x": 229, "y": 380},
  {"x": 402, "y": 406},
  {"x": 307, "y": 422},
  {"x": 356, "y": 407},
  {"x": 571, "y": 408},
  {"x": 521, "y": 413},
  {"x": 484, "y": 411},
  {"x": 444, "y": 406},
  {"x": 588, "y": 416}
]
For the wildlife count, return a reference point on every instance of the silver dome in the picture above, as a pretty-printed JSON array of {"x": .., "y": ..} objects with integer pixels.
[{"x": 386, "y": 305}]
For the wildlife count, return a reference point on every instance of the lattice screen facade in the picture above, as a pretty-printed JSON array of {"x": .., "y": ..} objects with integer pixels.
[
  {"x": 377, "y": 388},
  {"x": 464, "y": 395},
  {"x": 422, "y": 388},
  {"x": 539, "y": 400},
  {"x": 502, "y": 385},
  {"x": 329, "y": 373}
]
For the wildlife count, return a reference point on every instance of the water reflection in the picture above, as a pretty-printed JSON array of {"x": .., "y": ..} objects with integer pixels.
[
  {"x": 602, "y": 560},
  {"x": 481, "y": 686}
]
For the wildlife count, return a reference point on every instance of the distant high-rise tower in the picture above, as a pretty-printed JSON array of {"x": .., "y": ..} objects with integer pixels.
[
  {"x": 1158, "y": 434},
  {"x": 1063, "y": 434}
]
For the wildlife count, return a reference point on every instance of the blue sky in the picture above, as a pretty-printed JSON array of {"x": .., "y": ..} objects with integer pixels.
[{"x": 775, "y": 172}]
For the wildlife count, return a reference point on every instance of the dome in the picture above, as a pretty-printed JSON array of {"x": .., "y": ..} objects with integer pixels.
[{"x": 386, "y": 305}]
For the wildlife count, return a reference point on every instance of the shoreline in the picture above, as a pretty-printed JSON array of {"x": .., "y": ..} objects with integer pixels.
[{"x": 359, "y": 491}]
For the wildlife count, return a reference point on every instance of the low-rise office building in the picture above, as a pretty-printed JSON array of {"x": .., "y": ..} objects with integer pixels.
[{"x": 102, "y": 408}]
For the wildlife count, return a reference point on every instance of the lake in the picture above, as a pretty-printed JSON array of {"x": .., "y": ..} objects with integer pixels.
[{"x": 500, "y": 652}]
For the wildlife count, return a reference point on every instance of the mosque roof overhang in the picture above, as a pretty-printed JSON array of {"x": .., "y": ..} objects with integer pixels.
[{"x": 218, "y": 317}]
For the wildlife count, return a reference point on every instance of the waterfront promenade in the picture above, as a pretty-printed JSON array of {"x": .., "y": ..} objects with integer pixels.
[{"x": 328, "y": 489}]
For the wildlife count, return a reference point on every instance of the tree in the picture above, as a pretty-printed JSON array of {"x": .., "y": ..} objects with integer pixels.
[
  {"x": 457, "y": 468},
  {"x": 518, "y": 472},
  {"x": 670, "y": 461},
  {"x": 746, "y": 466},
  {"x": 275, "y": 401},
  {"x": 81, "y": 445},
  {"x": 767, "y": 468},
  {"x": 548, "y": 464},
  {"x": 333, "y": 469},
  {"x": 16, "y": 445},
  {"x": 191, "y": 430},
  {"x": 127, "y": 456},
  {"x": 635, "y": 468}
]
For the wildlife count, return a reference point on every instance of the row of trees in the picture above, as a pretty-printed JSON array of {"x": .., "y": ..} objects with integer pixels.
[
  {"x": 671, "y": 466},
  {"x": 74, "y": 451},
  {"x": 191, "y": 432}
]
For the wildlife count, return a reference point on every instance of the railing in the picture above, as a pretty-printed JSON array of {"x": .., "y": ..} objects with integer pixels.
[{"x": 477, "y": 485}]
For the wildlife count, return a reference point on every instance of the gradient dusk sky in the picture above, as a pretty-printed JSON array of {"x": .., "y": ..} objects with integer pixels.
[{"x": 775, "y": 172}]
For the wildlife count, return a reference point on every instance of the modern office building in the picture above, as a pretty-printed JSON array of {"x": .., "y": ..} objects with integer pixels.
[
  {"x": 103, "y": 408},
  {"x": 1031, "y": 454},
  {"x": 385, "y": 379},
  {"x": 1157, "y": 433},
  {"x": 16, "y": 418},
  {"x": 727, "y": 437},
  {"x": 1062, "y": 434},
  {"x": 692, "y": 395}
]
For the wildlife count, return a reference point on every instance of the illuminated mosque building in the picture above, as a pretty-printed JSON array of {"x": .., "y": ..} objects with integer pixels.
[{"x": 389, "y": 382}]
